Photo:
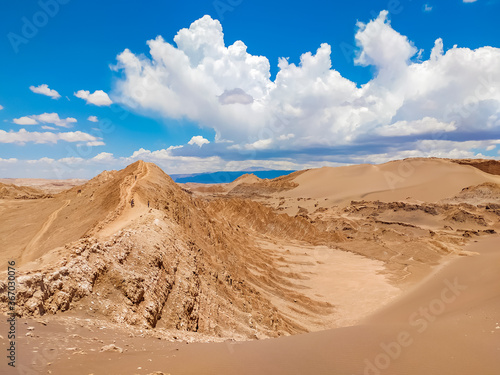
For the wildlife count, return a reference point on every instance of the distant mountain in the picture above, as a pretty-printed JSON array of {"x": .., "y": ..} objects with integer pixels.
[{"x": 226, "y": 177}]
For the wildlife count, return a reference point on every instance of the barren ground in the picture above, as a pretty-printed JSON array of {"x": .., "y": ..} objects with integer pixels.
[{"x": 332, "y": 264}]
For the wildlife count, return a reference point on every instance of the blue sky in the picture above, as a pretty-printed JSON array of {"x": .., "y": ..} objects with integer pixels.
[{"x": 358, "y": 81}]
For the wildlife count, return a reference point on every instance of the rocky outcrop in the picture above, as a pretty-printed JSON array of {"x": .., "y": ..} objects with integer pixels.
[
  {"x": 181, "y": 264},
  {"x": 8, "y": 191}
]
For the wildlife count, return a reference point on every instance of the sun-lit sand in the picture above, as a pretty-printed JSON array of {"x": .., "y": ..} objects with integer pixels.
[{"x": 366, "y": 269}]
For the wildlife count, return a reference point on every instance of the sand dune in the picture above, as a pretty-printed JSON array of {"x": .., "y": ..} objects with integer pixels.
[
  {"x": 447, "y": 324},
  {"x": 48, "y": 186},
  {"x": 341, "y": 259},
  {"x": 10, "y": 191},
  {"x": 417, "y": 179}
]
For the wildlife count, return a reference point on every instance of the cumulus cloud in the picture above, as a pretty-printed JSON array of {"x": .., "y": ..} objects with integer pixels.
[
  {"x": 198, "y": 140},
  {"x": 382, "y": 46},
  {"x": 25, "y": 120},
  {"x": 45, "y": 118},
  {"x": 104, "y": 156},
  {"x": 93, "y": 119},
  {"x": 310, "y": 106},
  {"x": 23, "y": 136},
  {"x": 45, "y": 90},
  {"x": 53, "y": 118},
  {"x": 437, "y": 50},
  {"x": 98, "y": 98}
]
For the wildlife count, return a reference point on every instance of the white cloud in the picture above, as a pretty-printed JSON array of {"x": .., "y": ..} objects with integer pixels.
[
  {"x": 174, "y": 147},
  {"x": 41, "y": 160},
  {"x": 93, "y": 119},
  {"x": 104, "y": 156},
  {"x": 137, "y": 154},
  {"x": 45, "y": 118},
  {"x": 198, "y": 140},
  {"x": 427, "y": 125},
  {"x": 45, "y": 90},
  {"x": 261, "y": 144},
  {"x": 437, "y": 51},
  {"x": 286, "y": 137},
  {"x": 382, "y": 46},
  {"x": 22, "y": 137},
  {"x": 98, "y": 98},
  {"x": 25, "y": 120},
  {"x": 427, "y": 8},
  {"x": 1, "y": 107},
  {"x": 53, "y": 118},
  {"x": 454, "y": 92},
  {"x": 45, "y": 127},
  {"x": 96, "y": 143},
  {"x": 469, "y": 1}
]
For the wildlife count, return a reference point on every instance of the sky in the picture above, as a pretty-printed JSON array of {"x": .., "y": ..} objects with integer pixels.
[{"x": 226, "y": 85}]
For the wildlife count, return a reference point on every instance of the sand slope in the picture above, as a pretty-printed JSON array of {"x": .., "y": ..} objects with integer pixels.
[
  {"x": 422, "y": 333},
  {"x": 180, "y": 263},
  {"x": 447, "y": 325},
  {"x": 48, "y": 186},
  {"x": 423, "y": 180},
  {"x": 32, "y": 228},
  {"x": 10, "y": 191}
]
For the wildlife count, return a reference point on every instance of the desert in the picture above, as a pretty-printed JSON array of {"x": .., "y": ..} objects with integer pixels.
[
  {"x": 330, "y": 270},
  {"x": 232, "y": 187}
]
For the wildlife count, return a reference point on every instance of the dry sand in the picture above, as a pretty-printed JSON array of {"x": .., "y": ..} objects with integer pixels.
[
  {"x": 48, "y": 186},
  {"x": 392, "y": 269},
  {"x": 334, "y": 276},
  {"x": 446, "y": 325},
  {"x": 414, "y": 179}
]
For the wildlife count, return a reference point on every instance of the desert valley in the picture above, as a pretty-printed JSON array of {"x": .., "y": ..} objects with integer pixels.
[{"x": 363, "y": 269}]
